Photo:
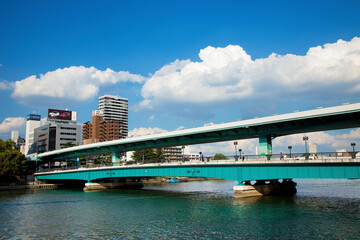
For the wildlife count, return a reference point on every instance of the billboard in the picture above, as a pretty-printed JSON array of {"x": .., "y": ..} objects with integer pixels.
[
  {"x": 61, "y": 115},
  {"x": 35, "y": 117}
]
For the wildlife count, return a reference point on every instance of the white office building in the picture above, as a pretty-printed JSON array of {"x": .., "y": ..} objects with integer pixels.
[
  {"x": 60, "y": 130},
  {"x": 115, "y": 108},
  {"x": 32, "y": 122}
]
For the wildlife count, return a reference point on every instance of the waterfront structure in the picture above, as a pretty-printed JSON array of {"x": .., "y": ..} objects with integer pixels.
[
  {"x": 61, "y": 129},
  {"x": 266, "y": 171},
  {"x": 32, "y": 122},
  {"x": 116, "y": 109},
  {"x": 101, "y": 130}
]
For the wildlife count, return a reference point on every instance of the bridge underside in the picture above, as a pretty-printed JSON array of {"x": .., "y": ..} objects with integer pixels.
[{"x": 264, "y": 132}]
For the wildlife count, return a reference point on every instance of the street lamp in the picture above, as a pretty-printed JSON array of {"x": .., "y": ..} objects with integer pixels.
[
  {"x": 290, "y": 147},
  {"x": 353, "y": 145},
  {"x": 240, "y": 150},
  {"x": 200, "y": 156},
  {"x": 305, "y": 138},
  {"x": 235, "y": 144}
]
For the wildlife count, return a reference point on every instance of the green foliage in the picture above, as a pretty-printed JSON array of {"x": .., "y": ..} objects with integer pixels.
[
  {"x": 220, "y": 156},
  {"x": 103, "y": 159},
  {"x": 149, "y": 155},
  {"x": 12, "y": 162},
  {"x": 68, "y": 144}
]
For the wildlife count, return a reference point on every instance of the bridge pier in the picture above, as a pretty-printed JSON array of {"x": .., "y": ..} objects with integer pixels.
[
  {"x": 115, "y": 158},
  {"x": 265, "y": 146},
  {"x": 89, "y": 186},
  {"x": 265, "y": 187}
]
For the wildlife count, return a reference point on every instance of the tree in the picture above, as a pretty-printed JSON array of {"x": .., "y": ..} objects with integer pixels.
[
  {"x": 220, "y": 156},
  {"x": 68, "y": 144},
  {"x": 159, "y": 154},
  {"x": 12, "y": 162},
  {"x": 148, "y": 155}
]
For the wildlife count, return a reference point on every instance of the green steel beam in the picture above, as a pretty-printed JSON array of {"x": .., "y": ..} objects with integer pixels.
[{"x": 271, "y": 129}]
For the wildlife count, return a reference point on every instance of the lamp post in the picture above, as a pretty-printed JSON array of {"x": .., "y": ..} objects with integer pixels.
[
  {"x": 240, "y": 150},
  {"x": 290, "y": 147},
  {"x": 235, "y": 144},
  {"x": 353, "y": 153},
  {"x": 305, "y": 138},
  {"x": 200, "y": 156}
]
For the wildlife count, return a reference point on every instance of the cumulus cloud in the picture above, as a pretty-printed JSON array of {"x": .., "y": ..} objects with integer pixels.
[
  {"x": 12, "y": 123},
  {"x": 229, "y": 74},
  {"x": 136, "y": 132},
  {"x": 72, "y": 84}
]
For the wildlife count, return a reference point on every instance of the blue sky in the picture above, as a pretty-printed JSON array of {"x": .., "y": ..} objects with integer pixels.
[{"x": 180, "y": 63}]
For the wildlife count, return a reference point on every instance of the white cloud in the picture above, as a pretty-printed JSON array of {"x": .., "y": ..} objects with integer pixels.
[
  {"x": 72, "y": 84},
  {"x": 152, "y": 117},
  {"x": 227, "y": 74},
  {"x": 5, "y": 85},
  {"x": 12, "y": 123},
  {"x": 136, "y": 132}
]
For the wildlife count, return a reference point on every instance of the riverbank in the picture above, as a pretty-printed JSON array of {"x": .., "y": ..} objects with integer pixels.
[{"x": 28, "y": 186}]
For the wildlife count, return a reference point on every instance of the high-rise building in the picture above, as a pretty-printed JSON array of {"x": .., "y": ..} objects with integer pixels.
[
  {"x": 116, "y": 109},
  {"x": 32, "y": 122},
  {"x": 101, "y": 130}
]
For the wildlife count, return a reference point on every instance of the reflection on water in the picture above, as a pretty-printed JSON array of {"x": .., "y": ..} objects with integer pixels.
[{"x": 326, "y": 209}]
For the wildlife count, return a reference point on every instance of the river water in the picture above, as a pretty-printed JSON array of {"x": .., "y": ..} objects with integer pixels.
[{"x": 322, "y": 209}]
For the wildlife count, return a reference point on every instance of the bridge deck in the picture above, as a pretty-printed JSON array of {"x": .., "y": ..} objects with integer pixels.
[{"x": 231, "y": 170}]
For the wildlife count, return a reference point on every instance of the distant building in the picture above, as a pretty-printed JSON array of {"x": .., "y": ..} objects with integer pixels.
[
  {"x": 101, "y": 130},
  {"x": 14, "y": 136},
  {"x": 173, "y": 153},
  {"x": 60, "y": 129},
  {"x": 116, "y": 109},
  {"x": 32, "y": 122},
  {"x": 312, "y": 148}
]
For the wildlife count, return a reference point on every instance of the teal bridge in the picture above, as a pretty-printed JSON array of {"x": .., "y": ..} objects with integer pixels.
[
  {"x": 265, "y": 129},
  {"x": 229, "y": 170}
]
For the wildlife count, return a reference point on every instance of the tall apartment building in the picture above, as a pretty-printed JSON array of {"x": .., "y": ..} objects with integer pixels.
[
  {"x": 101, "y": 130},
  {"x": 116, "y": 109},
  {"x": 32, "y": 122}
]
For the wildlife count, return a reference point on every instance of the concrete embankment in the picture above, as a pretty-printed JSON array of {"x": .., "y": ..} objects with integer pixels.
[{"x": 29, "y": 186}]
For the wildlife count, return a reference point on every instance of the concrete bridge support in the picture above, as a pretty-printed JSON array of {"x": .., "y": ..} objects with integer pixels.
[
  {"x": 115, "y": 158},
  {"x": 265, "y": 146},
  {"x": 265, "y": 187},
  {"x": 122, "y": 184}
]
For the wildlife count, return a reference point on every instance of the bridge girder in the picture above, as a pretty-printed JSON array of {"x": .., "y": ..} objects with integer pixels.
[{"x": 272, "y": 129}]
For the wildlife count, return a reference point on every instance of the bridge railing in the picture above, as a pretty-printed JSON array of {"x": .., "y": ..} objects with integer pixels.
[{"x": 232, "y": 159}]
